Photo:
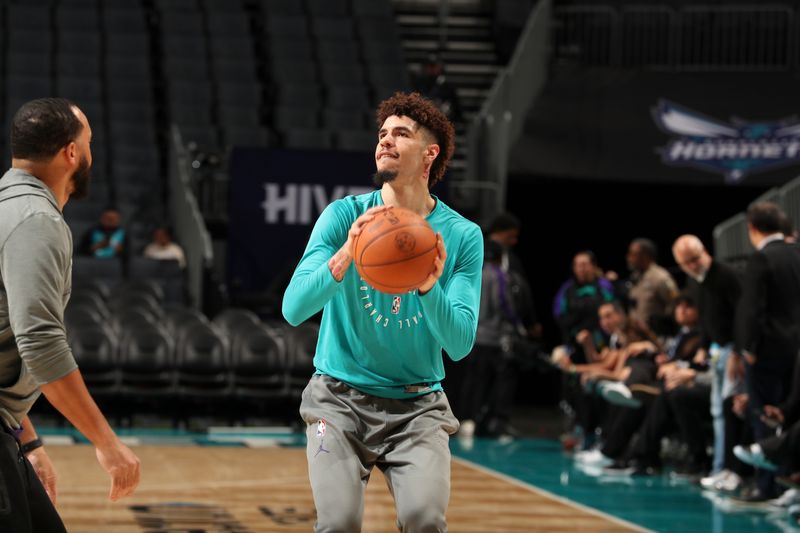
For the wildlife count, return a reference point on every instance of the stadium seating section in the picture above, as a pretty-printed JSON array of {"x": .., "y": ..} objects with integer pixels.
[
  {"x": 298, "y": 74},
  {"x": 140, "y": 353},
  {"x": 270, "y": 73}
]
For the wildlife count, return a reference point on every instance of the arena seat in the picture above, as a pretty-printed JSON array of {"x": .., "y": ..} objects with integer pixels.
[
  {"x": 95, "y": 349},
  {"x": 203, "y": 364},
  {"x": 259, "y": 371},
  {"x": 147, "y": 369}
]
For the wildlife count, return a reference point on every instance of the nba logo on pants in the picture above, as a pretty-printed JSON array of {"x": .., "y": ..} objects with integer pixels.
[
  {"x": 321, "y": 428},
  {"x": 396, "y": 305}
]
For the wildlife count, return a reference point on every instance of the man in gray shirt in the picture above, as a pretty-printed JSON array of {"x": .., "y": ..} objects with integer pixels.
[{"x": 50, "y": 163}]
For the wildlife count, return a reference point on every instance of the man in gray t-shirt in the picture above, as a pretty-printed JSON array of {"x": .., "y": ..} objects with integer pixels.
[{"x": 50, "y": 163}]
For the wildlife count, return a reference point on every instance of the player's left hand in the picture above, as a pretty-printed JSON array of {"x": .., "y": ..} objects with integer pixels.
[
  {"x": 438, "y": 266},
  {"x": 45, "y": 471}
]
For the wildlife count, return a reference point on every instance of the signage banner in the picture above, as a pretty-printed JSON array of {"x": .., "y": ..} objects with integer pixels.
[
  {"x": 734, "y": 149},
  {"x": 275, "y": 197},
  {"x": 700, "y": 129}
]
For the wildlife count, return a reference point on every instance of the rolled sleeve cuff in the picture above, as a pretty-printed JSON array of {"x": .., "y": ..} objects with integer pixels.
[{"x": 55, "y": 366}]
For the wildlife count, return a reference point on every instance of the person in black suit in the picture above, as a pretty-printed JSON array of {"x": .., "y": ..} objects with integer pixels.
[
  {"x": 768, "y": 322},
  {"x": 782, "y": 448},
  {"x": 718, "y": 289}
]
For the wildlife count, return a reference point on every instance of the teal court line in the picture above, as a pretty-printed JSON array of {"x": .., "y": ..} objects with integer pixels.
[
  {"x": 655, "y": 503},
  {"x": 542, "y": 492},
  {"x": 652, "y": 503}
]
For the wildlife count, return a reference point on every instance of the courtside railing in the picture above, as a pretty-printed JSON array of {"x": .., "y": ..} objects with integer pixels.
[
  {"x": 704, "y": 38},
  {"x": 731, "y": 241},
  {"x": 500, "y": 121},
  {"x": 188, "y": 221}
]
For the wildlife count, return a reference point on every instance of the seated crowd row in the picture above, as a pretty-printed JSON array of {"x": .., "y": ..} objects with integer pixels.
[{"x": 725, "y": 381}]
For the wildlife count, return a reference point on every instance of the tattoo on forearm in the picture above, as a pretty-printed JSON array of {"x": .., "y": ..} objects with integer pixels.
[{"x": 339, "y": 264}]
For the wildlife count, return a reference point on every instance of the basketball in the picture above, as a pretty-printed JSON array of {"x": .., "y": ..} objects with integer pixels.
[{"x": 395, "y": 251}]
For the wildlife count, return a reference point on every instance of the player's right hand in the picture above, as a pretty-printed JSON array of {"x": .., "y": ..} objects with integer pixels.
[
  {"x": 438, "y": 266},
  {"x": 122, "y": 466},
  {"x": 341, "y": 260},
  {"x": 775, "y": 413},
  {"x": 45, "y": 471},
  {"x": 358, "y": 226}
]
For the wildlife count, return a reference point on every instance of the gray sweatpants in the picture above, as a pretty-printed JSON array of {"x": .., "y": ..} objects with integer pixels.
[{"x": 349, "y": 432}]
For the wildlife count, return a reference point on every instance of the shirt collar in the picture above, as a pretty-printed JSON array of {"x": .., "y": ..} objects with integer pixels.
[{"x": 770, "y": 238}]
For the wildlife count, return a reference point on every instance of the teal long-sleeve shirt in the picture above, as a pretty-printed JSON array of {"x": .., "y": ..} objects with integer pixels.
[{"x": 380, "y": 343}]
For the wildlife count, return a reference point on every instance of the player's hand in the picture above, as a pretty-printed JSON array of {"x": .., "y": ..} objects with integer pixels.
[
  {"x": 122, "y": 466},
  {"x": 700, "y": 357},
  {"x": 358, "y": 226},
  {"x": 734, "y": 366},
  {"x": 340, "y": 262},
  {"x": 438, "y": 266},
  {"x": 583, "y": 336},
  {"x": 680, "y": 376},
  {"x": 666, "y": 369},
  {"x": 770, "y": 411},
  {"x": 637, "y": 348},
  {"x": 45, "y": 471},
  {"x": 740, "y": 402}
]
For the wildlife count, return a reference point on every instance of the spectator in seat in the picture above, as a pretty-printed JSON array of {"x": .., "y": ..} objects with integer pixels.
[
  {"x": 164, "y": 248},
  {"x": 107, "y": 239},
  {"x": 576, "y": 303}
]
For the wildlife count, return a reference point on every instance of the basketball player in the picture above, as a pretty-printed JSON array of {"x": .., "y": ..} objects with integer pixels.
[
  {"x": 50, "y": 163},
  {"x": 376, "y": 398}
]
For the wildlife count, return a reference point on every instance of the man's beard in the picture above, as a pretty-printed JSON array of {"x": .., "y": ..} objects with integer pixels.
[
  {"x": 384, "y": 176},
  {"x": 80, "y": 180}
]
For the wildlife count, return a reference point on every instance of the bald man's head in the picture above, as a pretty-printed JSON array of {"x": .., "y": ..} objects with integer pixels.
[{"x": 691, "y": 256}]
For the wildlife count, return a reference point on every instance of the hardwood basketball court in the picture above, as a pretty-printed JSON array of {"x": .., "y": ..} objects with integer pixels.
[{"x": 235, "y": 489}]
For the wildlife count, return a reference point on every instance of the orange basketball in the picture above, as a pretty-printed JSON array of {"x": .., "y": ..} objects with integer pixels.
[{"x": 395, "y": 251}]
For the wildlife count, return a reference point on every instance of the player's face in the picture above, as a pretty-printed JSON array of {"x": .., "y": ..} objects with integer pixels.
[
  {"x": 583, "y": 268},
  {"x": 691, "y": 262},
  {"x": 110, "y": 219},
  {"x": 610, "y": 318},
  {"x": 635, "y": 257},
  {"x": 401, "y": 147},
  {"x": 685, "y": 314},
  {"x": 81, "y": 176}
]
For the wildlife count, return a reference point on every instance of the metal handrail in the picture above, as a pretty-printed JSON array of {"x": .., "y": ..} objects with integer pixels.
[
  {"x": 691, "y": 38},
  {"x": 189, "y": 224},
  {"x": 501, "y": 118},
  {"x": 731, "y": 239}
]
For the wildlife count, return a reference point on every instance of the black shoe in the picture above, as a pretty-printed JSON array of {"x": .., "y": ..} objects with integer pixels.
[
  {"x": 641, "y": 468},
  {"x": 751, "y": 496},
  {"x": 499, "y": 429},
  {"x": 691, "y": 471},
  {"x": 790, "y": 482}
]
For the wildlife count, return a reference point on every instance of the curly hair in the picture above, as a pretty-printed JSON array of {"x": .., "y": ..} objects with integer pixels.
[{"x": 425, "y": 113}]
